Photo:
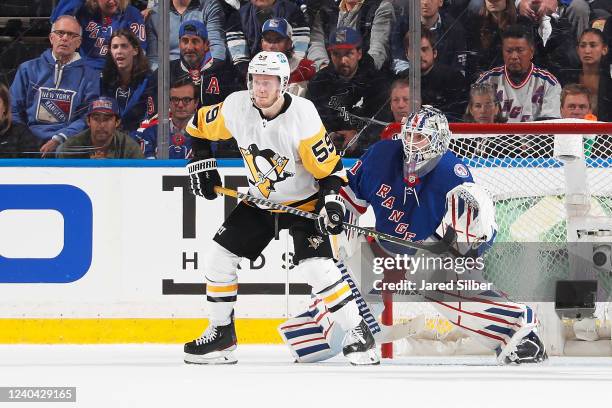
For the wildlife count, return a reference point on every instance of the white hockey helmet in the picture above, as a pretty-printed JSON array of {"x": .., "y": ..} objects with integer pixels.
[
  {"x": 425, "y": 136},
  {"x": 269, "y": 63}
]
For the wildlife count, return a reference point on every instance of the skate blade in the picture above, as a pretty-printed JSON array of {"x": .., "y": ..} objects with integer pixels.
[
  {"x": 369, "y": 357},
  {"x": 514, "y": 341},
  {"x": 216, "y": 358}
]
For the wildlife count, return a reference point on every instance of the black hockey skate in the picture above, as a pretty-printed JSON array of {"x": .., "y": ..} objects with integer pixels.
[
  {"x": 529, "y": 349},
  {"x": 360, "y": 346},
  {"x": 215, "y": 346}
]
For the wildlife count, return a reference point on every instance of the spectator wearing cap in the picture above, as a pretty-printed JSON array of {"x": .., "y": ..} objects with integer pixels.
[
  {"x": 196, "y": 63},
  {"x": 50, "y": 93},
  {"x": 276, "y": 36},
  {"x": 103, "y": 139},
  {"x": 128, "y": 78},
  {"x": 449, "y": 36},
  {"x": 208, "y": 12},
  {"x": 349, "y": 92},
  {"x": 373, "y": 19},
  {"x": 254, "y": 13},
  {"x": 99, "y": 19}
]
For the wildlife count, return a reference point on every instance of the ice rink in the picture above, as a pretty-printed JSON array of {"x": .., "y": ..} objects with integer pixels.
[{"x": 265, "y": 376}]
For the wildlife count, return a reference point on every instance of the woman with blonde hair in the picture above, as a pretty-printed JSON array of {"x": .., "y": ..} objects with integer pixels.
[
  {"x": 483, "y": 106},
  {"x": 99, "y": 19},
  {"x": 16, "y": 140}
]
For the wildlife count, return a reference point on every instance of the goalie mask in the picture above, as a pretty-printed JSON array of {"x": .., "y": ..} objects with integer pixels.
[
  {"x": 269, "y": 63},
  {"x": 425, "y": 136}
]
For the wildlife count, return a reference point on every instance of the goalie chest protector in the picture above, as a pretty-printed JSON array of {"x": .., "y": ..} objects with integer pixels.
[{"x": 409, "y": 212}]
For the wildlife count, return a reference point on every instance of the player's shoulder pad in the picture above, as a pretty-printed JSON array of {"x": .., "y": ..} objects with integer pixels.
[{"x": 451, "y": 164}]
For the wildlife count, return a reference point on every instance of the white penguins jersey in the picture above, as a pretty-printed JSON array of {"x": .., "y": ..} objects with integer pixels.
[
  {"x": 284, "y": 156},
  {"x": 537, "y": 97}
]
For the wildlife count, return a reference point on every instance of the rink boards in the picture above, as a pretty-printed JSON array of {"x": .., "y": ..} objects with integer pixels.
[{"x": 96, "y": 252}]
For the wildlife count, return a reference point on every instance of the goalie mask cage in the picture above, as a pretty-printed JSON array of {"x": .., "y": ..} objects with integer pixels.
[{"x": 551, "y": 183}]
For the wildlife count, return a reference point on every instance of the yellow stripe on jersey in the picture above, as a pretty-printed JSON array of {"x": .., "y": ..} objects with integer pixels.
[
  {"x": 319, "y": 155},
  {"x": 345, "y": 288},
  {"x": 208, "y": 123}
]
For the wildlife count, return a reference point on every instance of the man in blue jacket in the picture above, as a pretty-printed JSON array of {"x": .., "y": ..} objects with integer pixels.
[
  {"x": 99, "y": 19},
  {"x": 50, "y": 94}
]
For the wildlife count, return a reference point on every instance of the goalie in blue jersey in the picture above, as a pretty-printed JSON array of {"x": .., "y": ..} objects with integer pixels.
[{"x": 420, "y": 191}]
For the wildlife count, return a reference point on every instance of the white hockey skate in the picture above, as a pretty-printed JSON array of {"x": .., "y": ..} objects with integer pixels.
[{"x": 525, "y": 345}]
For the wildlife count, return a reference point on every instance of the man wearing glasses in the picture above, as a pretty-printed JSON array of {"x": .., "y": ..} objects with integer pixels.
[
  {"x": 50, "y": 94},
  {"x": 183, "y": 103}
]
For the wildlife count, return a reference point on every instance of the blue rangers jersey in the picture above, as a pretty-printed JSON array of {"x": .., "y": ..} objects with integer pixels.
[{"x": 408, "y": 212}]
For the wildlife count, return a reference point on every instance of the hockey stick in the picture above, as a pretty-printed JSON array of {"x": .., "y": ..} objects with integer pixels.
[{"x": 439, "y": 247}]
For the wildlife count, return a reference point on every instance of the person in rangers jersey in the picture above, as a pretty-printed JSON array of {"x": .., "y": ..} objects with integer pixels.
[
  {"x": 422, "y": 191},
  {"x": 290, "y": 160},
  {"x": 99, "y": 19},
  {"x": 525, "y": 91}
]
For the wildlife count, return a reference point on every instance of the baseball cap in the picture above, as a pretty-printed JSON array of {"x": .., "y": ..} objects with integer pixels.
[
  {"x": 193, "y": 27},
  {"x": 278, "y": 25},
  {"x": 103, "y": 104},
  {"x": 344, "y": 37}
]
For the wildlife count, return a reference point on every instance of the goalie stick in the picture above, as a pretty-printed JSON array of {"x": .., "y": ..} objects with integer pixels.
[{"x": 439, "y": 247}]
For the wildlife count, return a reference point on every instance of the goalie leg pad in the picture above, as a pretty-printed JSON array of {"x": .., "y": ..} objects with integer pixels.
[{"x": 221, "y": 283}]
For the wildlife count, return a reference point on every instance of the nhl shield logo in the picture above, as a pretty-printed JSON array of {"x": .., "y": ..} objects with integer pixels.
[{"x": 54, "y": 105}]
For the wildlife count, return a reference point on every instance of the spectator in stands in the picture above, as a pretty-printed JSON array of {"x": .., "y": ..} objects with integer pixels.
[
  {"x": 449, "y": 36},
  {"x": 576, "y": 101},
  {"x": 196, "y": 63},
  {"x": 373, "y": 19},
  {"x": 552, "y": 33},
  {"x": 16, "y": 140},
  {"x": 99, "y": 19},
  {"x": 594, "y": 72},
  {"x": 103, "y": 139},
  {"x": 237, "y": 49},
  {"x": 483, "y": 107},
  {"x": 484, "y": 35},
  {"x": 400, "y": 99},
  {"x": 350, "y": 91},
  {"x": 127, "y": 78},
  {"x": 576, "y": 11},
  {"x": 208, "y": 12},
  {"x": 183, "y": 103},
  {"x": 525, "y": 91},
  {"x": 276, "y": 36},
  {"x": 50, "y": 93},
  {"x": 442, "y": 87},
  {"x": 254, "y": 13}
]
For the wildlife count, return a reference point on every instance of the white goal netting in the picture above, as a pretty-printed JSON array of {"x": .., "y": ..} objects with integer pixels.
[{"x": 548, "y": 189}]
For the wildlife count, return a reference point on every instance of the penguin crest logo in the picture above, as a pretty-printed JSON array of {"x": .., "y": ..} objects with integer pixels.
[{"x": 267, "y": 168}]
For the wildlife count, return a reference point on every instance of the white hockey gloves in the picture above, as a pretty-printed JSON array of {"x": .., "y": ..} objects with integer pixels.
[
  {"x": 471, "y": 214},
  {"x": 331, "y": 215},
  {"x": 204, "y": 177}
]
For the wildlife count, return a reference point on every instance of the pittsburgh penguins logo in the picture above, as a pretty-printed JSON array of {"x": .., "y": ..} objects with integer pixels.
[{"x": 266, "y": 167}]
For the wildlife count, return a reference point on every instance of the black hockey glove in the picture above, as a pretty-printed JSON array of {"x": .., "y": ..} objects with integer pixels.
[
  {"x": 331, "y": 215},
  {"x": 204, "y": 177}
]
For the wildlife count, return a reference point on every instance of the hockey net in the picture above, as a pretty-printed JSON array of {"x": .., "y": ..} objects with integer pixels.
[{"x": 533, "y": 173}]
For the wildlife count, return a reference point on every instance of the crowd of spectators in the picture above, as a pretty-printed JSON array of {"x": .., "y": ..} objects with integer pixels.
[{"x": 483, "y": 61}]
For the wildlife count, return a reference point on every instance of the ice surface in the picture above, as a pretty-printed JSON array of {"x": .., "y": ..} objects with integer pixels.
[{"x": 265, "y": 376}]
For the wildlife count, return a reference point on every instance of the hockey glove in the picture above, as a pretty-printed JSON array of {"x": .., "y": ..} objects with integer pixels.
[
  {"x": 331, "y": 216},
  {"x": 204, "y": 177}
]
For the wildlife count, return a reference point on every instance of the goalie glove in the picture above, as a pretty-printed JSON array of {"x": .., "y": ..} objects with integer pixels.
[
  {"x": 204, "y": 177},
  {"x": 331, "y": 215},
  {"x": 470, "y": 213}
]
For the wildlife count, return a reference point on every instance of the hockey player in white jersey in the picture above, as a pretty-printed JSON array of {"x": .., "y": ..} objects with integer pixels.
[
  {"x": 290, "y": 159},
  {"x": 526, "y": 92},
  {"x": 422, "y": 191}
]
